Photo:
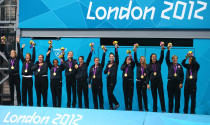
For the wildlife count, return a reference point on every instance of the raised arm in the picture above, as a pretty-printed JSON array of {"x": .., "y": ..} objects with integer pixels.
[
  {"x": 135, "y": 57},
  {"x": 116, "y": 56},
  {"x": 33, "y": 55},
  {"x": 161, "y": 56},
  {"x": 48, "y": 59},
  {"x": 18, "y": 50},
  {"x": 184, "y": 63},
  {"x": 103, "y": 60},
  {"x": 21, "y": 54},
  {"x": 89, "y": 58},
  {"x": 168, "y": 58}
]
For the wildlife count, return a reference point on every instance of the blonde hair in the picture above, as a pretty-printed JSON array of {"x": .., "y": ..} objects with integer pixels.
[
  {"x": 174, "y": 56},
  {"x": 145, "y": 63},
  {"x": 14, "y": 51}
]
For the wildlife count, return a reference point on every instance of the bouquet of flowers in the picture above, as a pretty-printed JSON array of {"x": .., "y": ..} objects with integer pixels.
[
  {"x": 3, "y": 38},
  {"x": 62, "y": 52},
  {"x": 169, "y": 45},
  {"x": 103, "y": 47},
  {"x": 162, "y": 43},
  {"x": 128, "y": 51},
  {"x": 91, "y": 44},
  {"x": 115, "y": 42},
  {"x": 32, "y": 43},
  {"x": 190, "y": 54},
  {"x": 136, "y": 45}
]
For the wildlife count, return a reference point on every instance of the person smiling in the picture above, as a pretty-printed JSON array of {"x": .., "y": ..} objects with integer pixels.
[
  {"x": 14, "y": 76},
  {"x": 27, "y": 80}
]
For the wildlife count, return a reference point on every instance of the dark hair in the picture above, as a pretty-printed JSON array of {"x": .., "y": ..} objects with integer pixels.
[
  {"x": 111, "y": 53},
  {"x": 96, "y": 58},
  {"x": 125, "y": 59},
  {"x": 55, "y": 60},
  {"x": 151, "y": 57},
  {"x": 42, "y": 56},
  {"x": 81, "y": 57}
]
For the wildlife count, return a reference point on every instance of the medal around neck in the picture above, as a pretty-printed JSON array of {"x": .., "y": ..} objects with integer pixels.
[
  {"x": 12, "y": 67},
  {"x": 70, "y": 69},
  {"x": 191, "y": 77},
  {"x": 175, "y": 74},
  {"x": 26, "y": 71},
  {"x": 126, "y": 75},
  {"x": 94, "y": 76},
  {"x": 142, "y": 76},
  {"x": 54, "y": 74},
  {"x": 155, "y": 73},
  {"x": 39, "y": 70}
]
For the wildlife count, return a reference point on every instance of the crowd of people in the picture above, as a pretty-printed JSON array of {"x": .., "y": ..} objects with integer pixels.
[{"x": 79, "y": 79}]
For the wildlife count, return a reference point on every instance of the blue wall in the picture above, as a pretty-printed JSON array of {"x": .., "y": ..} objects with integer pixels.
[{"x": 80, "y": 46}]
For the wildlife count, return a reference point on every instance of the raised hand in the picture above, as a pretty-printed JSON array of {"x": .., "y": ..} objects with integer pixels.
[
  {"x": 17, "y": 39},
  {"x": 23, "y": 45},
  {"x": 48, "y": 52}
]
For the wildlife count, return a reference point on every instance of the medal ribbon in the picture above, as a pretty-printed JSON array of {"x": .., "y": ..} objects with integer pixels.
[
  {"x": 126, "y": 69},
  {"x": 12, "y": 62},
  {"x": 175, "y": 68},
  {"x": 70, "y": 64},
  {"x": 26, "y": 65},
  {"x": 40, "y": 67},
  {"x": 190, "y": 72},
  {"x": 54, "y": 69},
  {"x": 142, "y": 70},
  {"x": 154, "y": 67},
  {"x": 94, "y": 70}
]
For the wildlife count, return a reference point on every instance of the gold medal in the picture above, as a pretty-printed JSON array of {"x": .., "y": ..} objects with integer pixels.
[
  {"x": 191, "y": 77},
  {"x": 175, "y": 75},
  {"x": 155, "y": 73},
  {"x": 38, "y": 70},
  {"x": 108, "y": 73},
  {"x": 126, "y": 75},
  {"x": 12, "y": 67},
  {"x": 94, "y": 76},
  {"x": 26, "y": 71},
  {"x": 142, "y": 76},
  {"x": 54, "y": 74},
  {"x": 70, "y": 69}
]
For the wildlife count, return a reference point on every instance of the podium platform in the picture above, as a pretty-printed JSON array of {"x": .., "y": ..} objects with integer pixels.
[{"x": 19, "y": 115}]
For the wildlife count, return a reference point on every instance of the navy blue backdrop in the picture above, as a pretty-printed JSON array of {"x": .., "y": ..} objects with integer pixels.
[{"x": 80, "y": 46}]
